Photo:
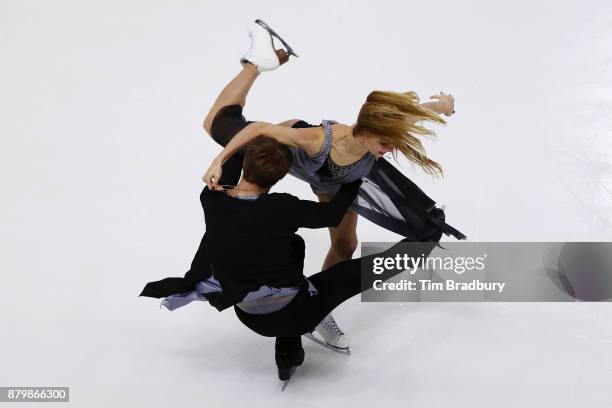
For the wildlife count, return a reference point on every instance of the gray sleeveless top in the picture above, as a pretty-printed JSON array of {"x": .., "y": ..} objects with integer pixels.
[{"x": 305, "y": 167}]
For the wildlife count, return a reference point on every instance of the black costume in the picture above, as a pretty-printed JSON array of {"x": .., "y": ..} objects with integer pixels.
[{"x": 248, "y": 244}]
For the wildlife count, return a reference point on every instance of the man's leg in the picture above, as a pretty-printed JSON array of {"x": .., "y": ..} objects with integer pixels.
[
  {"x": 343, "y": 281},
  {"x": 288, "y": 353}
]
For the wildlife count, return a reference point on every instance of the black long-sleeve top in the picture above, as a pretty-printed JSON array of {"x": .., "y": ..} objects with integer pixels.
[{"x": 250, "y": 243}]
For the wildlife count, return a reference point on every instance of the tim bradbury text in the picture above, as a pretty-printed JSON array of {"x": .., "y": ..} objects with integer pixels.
[{"x": 449, "y": 285}]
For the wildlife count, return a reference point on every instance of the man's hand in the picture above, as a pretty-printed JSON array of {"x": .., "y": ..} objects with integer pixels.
[
  {"x": 445, "y": 102},
  {"x": 212, "y": 175}
]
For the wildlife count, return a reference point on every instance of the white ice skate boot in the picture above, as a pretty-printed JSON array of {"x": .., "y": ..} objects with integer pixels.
[
  {"x": 332, "y": 335},
  {"x": 262, "y": 53}
]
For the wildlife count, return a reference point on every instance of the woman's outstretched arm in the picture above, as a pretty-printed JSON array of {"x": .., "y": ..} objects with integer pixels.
[{"x": 308, "y": 139}]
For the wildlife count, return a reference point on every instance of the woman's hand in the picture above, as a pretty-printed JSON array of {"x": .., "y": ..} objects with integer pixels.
[
  {"x": 445, "y": 102},
  {"x": 212, "y": 175}
]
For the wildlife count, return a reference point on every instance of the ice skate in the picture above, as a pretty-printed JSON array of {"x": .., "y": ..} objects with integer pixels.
[
  {"x": 287, "y": 362},
  {"x": 289, "y": 376},
  {"x": 332, "y": 337},
  {"x": 262, "y": 53},
  {"x": 288, "y": 49}
]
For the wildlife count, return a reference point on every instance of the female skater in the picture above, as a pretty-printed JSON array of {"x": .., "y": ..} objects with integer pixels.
[{"x": 329, "y": 155}]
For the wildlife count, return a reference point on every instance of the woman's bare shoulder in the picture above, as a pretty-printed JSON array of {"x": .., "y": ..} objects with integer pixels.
[{"x": 341, "y": 131}]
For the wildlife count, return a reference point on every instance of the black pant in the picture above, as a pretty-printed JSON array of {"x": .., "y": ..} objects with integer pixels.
[{"x": 334, "y": 285}]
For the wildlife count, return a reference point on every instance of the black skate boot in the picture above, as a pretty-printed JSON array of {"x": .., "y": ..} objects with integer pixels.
[{"x": 287, "y": 361}]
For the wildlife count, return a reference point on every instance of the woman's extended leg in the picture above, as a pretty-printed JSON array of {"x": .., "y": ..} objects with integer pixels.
[
  {"x": 225, "y": 119},
  {"x": 234, "y": 93}
]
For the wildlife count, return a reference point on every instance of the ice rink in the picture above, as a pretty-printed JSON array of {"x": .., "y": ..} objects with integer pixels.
[{"x": 103, "y": 150}]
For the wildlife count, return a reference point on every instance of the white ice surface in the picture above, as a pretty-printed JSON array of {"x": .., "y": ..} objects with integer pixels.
[{"x": 102, "y": 154}]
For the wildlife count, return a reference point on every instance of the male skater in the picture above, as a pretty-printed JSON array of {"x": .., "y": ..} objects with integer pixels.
[{"x": 251, "y": 257}]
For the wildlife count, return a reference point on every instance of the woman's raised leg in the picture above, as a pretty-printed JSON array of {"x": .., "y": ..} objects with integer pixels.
[
  {"x": 261, "y": 57},
  {"x": 234, "y": 93}
]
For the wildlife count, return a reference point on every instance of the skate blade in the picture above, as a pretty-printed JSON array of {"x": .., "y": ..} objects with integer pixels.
[
  {"x": 286, "y": 382},
  {"x": 346, "y": 351},
  {"x": 273, "y": 33}
]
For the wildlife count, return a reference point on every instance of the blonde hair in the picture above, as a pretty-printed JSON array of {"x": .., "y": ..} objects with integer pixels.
[{"x": 397, "y": 117}]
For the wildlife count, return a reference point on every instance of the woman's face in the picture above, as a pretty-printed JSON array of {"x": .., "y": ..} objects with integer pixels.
[{"x": 378, "y": 146}]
